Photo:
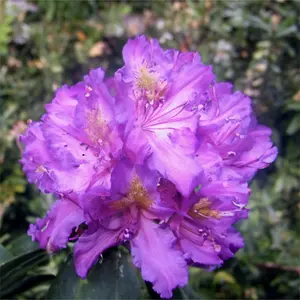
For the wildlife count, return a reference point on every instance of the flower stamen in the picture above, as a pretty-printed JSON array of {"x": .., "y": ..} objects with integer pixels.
[
  {"x": 97, "y": 127},
  {"x": 203, "y": 209},
  {"x": 137, "y": 195}
]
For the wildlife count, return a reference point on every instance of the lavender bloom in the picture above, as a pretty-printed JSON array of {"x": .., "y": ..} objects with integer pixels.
[
  {"x": 153, "y": 92},
  {"x": 203, "y": 223},
  {"x": 76, "y": 144},
  {"x": 131, "y": 216},
  {"x": 157, "y": 158},
  {"x": 227, "y": 123}
]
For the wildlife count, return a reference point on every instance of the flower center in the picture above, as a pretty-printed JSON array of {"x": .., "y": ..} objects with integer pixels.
[
  {"x": 40, "y": 169},
  {"x": 146, "y": 80},
  {"x": 137, "y": 195},
  {"x": 203, "y": 209},
  {"x": 96, "y": 126},
  {"x": 151, "y": 86}
]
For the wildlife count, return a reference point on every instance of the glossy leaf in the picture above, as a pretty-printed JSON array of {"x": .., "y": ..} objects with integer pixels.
[
  {"x": 24, "y": 284},
  {"x": 17, "y": 267},
  {"x": 113, "y": 278},
  {"x": 22, "y": 244},
  {"x": 5, "y": 255}
]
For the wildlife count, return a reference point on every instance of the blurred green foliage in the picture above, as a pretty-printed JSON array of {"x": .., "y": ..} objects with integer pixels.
[{"x": 255, "y": 44}]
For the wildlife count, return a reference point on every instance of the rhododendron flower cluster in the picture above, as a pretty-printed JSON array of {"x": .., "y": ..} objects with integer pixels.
[{"x": 157, "y": 158}]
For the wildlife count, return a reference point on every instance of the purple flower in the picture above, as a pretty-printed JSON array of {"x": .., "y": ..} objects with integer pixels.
[
  {"x": 227, "y": 123},
  {"x": 76, "y": 144},
  {"x": 203, "y": 223},
  {"x": 157, "y": 158},
  {"x": 131, "y": 216},
  {"x": 153, "y": 92}
]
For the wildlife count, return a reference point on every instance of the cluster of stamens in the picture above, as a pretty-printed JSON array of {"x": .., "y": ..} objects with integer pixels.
[
  {"x": 137, "y": 195},
  {"x": 96, "y": 128},
  {"x": 149, "y": 85},
  {"x": 203, "y": 209}
]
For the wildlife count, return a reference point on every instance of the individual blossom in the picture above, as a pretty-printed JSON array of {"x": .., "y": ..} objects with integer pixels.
[
  {"x": 131, "y": 216},
  {"x": 76, "y": 144},
  {"x": 202, "y": 223},
  {"x": 153, "y": 91},
  {"x": 228, "y": 125}
]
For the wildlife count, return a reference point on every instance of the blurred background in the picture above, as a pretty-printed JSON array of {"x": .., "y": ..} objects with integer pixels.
[{"x": 254, "y": 44}]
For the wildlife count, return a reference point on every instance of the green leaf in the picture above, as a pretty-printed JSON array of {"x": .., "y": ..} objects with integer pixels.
[
  {"x": 294, "y": 125},
  {"x": 293, "y": 105},
  {"x": 113, "y": 278},
  {"x": 14, "y": 269},
  {"x": 287, "y": 31},
  {"x": 25, "y": 284},
  {"x": 17, "y": 267},
  {"x": 185, "y": 293},
  {"x": 5, "y": 255},
  {"x": 224, "y": 277},
  {"x": 22, "y": 245},
  {"x": 257, "y": 22}
]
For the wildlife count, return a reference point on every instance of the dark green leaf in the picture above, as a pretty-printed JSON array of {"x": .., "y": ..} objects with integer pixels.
[
  {"x": 185, "y": 293},
  {"x": 294, "y": 106},
  {"x": 22, "y": 244},
  {"x": 259, "y": 23},
  {"x": 66, "y": 283},
  {"x": 19, "y": 265},
  {"x": 287, "y": 31},
  {"x": 294, "y": 125},
  {"x": 24, "y": 284},
  {"x": 5, "y": 255},
  {"x": 113, "y": 278}
]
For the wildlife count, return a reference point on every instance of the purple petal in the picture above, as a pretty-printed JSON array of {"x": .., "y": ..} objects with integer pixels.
[
  {"x": 91, "y": 244},
  {"x": 53, "y": 231},
  {"x": 168, "y": 158},
  {"x": 153, "y": 250},
  {"x": 203, "y": 254},
  {"x": 231, "y": 241},
  {"x": 137, "y": 147},
  {"x": 194, "y": 78}
]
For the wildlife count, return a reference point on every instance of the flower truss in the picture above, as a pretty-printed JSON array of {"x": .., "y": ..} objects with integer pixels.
[{"x": 157, "y": 158}]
